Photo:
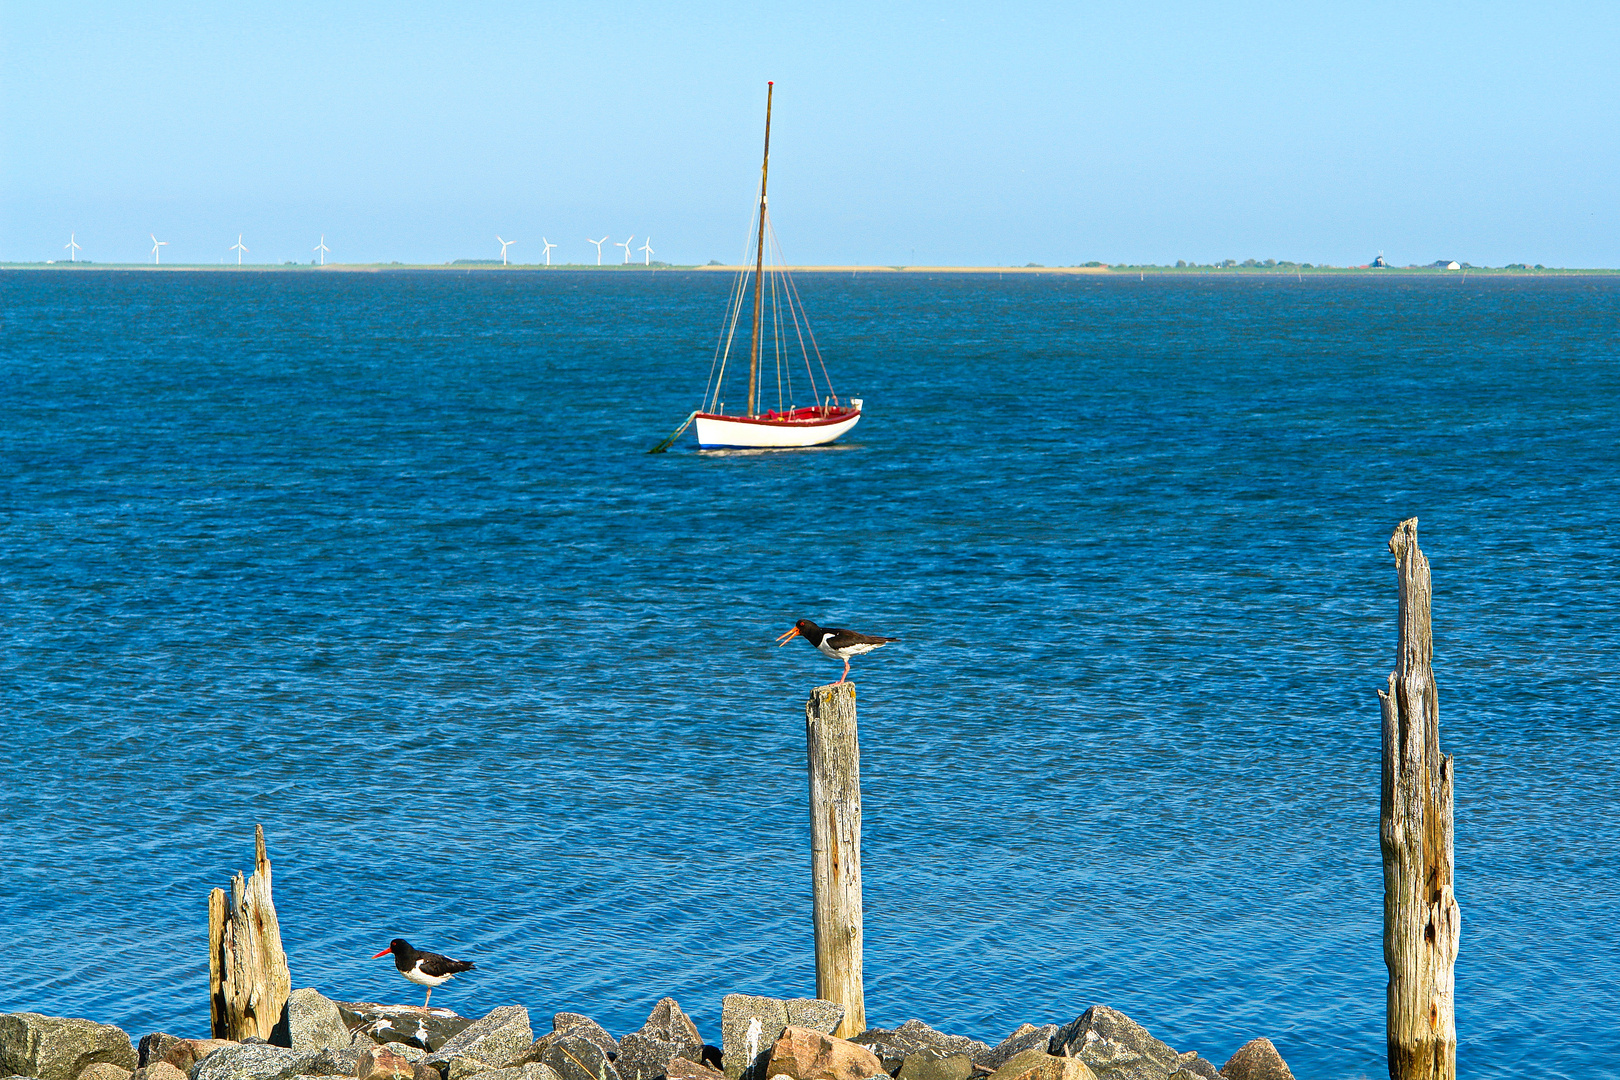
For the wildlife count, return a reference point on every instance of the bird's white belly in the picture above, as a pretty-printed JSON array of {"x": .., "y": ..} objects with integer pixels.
[
  {"x": 422, "y": 978},
  {"x": 859, "y": 649}
]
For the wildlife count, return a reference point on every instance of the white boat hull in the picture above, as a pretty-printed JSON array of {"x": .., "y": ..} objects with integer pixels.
[{"x": 761, "y": 433}]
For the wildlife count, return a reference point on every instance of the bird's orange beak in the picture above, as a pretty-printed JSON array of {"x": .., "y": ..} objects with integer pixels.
[
  {"x": 787, "y": 637},
  {"x": 385, "y": 952}
]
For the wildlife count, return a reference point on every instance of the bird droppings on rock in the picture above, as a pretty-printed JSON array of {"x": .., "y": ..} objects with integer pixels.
[
  {"x": 750, "y": 1025},
  {"x": 412, "y": 1024}
]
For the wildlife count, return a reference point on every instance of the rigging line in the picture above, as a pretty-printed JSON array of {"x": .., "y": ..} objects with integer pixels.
[
  {"x": 779, "y": 261},
  {"x": 719, "y": 343},
  {"x": 796, "y": 313},
  {"x": 734, "y": 312},
  {"x": 787, "y": 368},
  {"x": 811, "y": 331},
  {"x": 776, "y": 316},
  {"x": 736, "y": 318}
]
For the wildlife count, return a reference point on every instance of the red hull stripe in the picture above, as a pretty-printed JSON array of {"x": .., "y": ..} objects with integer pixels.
[{"x": 780, "y": 421}]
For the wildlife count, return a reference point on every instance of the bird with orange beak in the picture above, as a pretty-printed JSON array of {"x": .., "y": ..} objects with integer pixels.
[
  {"x": 835, "y": 642},
  {"x": 423, "y": 968}
]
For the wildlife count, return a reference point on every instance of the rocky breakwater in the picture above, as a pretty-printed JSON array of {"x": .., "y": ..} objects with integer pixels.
[{"x": 761, "y": 1039}]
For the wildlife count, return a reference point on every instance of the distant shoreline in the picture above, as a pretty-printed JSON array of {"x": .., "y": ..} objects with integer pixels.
[{"x": 1103, "y": 271}]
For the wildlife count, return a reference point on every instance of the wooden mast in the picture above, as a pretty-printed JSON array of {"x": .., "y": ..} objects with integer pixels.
[{"x": 759, "y": 259}]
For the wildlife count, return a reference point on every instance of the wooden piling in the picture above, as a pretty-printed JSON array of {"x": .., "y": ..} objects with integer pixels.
[
  {"x": 248, "y": 981},
  {"x": 835, "y": 849},
  {"x": 1421, "y": 917}
]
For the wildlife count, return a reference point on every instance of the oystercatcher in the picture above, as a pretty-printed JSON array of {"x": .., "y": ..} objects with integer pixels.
[
  {"x": 834, "y": 642},
  {"x": 427, "y": 969}
]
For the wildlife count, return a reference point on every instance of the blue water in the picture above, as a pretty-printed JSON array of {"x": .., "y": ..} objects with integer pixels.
[{"x": 380, "y": 561}]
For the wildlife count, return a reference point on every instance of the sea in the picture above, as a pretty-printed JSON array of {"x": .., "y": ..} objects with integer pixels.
[{"x": 381, "y": 562}]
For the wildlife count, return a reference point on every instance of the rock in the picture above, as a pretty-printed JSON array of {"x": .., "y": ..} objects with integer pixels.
[
  {"x": 1026, "y": 1037},
  {"x": 806, "y": 1054},
  {"x": 531, "y": 1071},
  {"x": 567, "y": 1023},
  {"x": 891, "y": 1048},
  {"x": 161, "y": 1046},
  {"x": 930, "y": 1064},
  {"x": 668, "y": 1034},
  {"x": 687, "y": 1069},
  {"x": 253, "y": 1061},
  {"x": 429, "y": 1029},
  {"x": 499, "y": 1040},
  {"x": 310, "y": 1021},
  {"x": 159, "y": 1070},
  {"x": 387, "y": 1062},
  {"x": 749, "y": 1026},
  {"x": 1193, "y": 1067},
  {"x": 105, "y": 1070},
  {"x": 1115, "y": 1046},
  {"x": 1256, "y": 1059},
  {"x": 59, "y": 1048},
  {"x": 920, "y": 1032},
  {"x": 344, "y": 1060},
  {"x": 1039, "y": 1065},
  {"x": 571, "y": 1056}
]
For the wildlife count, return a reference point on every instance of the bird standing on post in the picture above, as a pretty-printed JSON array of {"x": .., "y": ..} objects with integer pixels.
[
  {"x": 427, "y": 969},
  {"x": 834, "y": 642}
]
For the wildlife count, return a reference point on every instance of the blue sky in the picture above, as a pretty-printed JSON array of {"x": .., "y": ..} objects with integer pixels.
[{"x": 929, "y": 133}]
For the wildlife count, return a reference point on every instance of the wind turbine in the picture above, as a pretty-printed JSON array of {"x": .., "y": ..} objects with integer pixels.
[
  {"x": 598, "y": 244},
  {"x": 238, "y": 248},
  {"x": 549, "y": 246},
  {"x": 646, "y": 251},
  {"x": 157, "y": 256},
  {"x": 626, "y": 246},
  {"x": 322, "y": 248},
  {"x": 504, "y": 245},
  {"x": 72, "y": 246}
]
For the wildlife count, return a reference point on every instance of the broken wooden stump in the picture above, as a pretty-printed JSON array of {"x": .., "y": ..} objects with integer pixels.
[
  {"x": 248, "y": 981},
  {"x": 1421, "y": 917}
]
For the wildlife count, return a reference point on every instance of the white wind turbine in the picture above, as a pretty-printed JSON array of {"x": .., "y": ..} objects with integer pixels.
[
  {"x": 157, "y": 255},
  {"x": 322, "y": 248},
  {"x": 238, "y": 248},
  {"x": 626, "y": 246},
  {"x": 504, "y": 245},
  {"x": 549, "y": 246},
  {"x": 646, "y": 251},
  {"x": 598, "y": 244},
  {"x": 72, "y": 246}
]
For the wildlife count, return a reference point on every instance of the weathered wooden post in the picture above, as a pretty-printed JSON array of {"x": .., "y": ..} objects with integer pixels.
[
  {"x": 248, "y": 981},
  {"x": 835, "y": 849},
  {"x": 1421, "y": 917}
]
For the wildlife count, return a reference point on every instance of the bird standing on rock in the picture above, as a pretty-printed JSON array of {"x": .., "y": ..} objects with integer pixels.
[
  {"x": 837, "y": 643},
  {"x": 427, "y": 969}
]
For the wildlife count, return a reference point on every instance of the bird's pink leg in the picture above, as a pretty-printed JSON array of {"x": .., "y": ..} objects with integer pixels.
[
  {"x": 428, "y": 998},
  {"x": 845, "y": 675}
]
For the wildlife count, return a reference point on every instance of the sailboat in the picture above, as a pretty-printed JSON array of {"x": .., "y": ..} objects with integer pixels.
[{"x": 777, "y": 332}]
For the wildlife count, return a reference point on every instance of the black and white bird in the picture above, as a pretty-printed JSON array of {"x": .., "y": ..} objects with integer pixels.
[
  {"x": 834, "y": 642},
  {"x": 427, "y": 969}
]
